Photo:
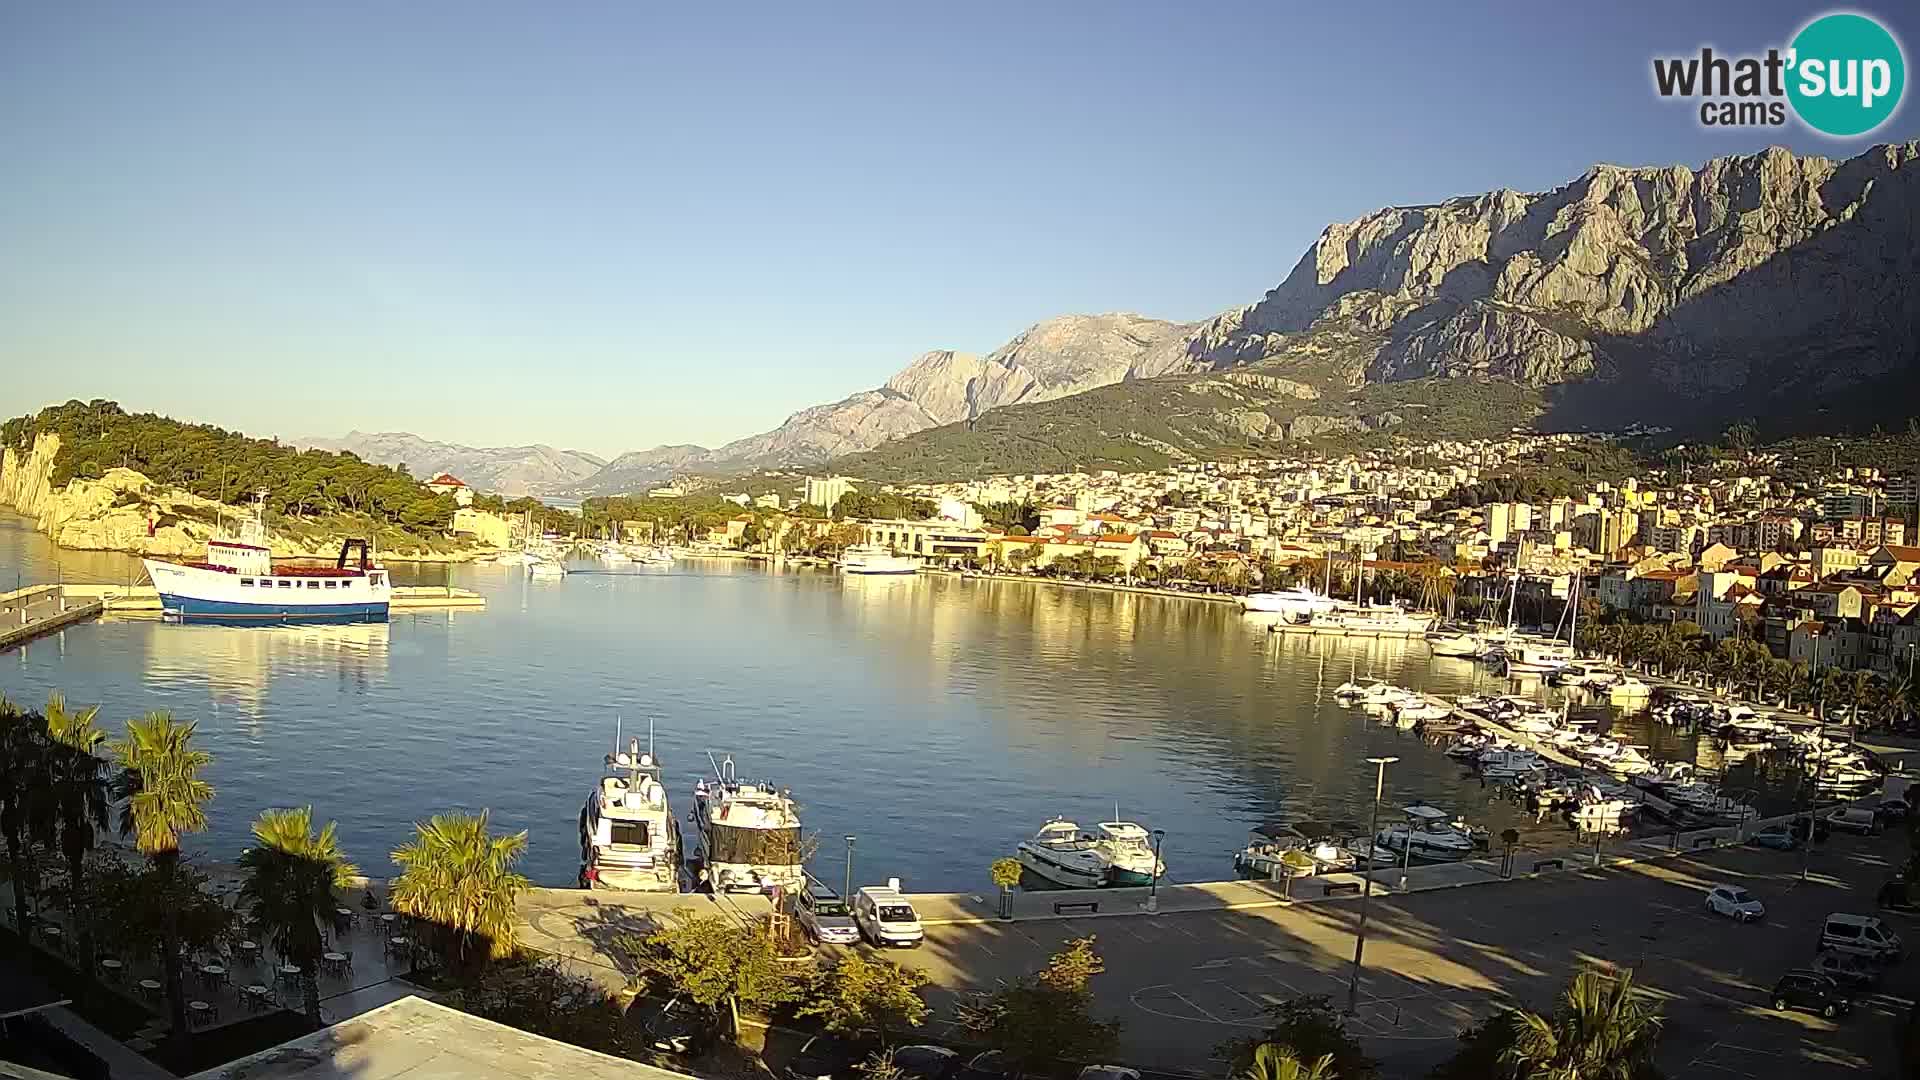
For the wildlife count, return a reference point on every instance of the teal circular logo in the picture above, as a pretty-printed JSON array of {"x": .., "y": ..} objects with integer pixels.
[{"x": 1846, "y": 75}]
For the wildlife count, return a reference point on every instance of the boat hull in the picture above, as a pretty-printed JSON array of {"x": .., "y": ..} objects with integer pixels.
[
  {"x": 1061, "y": 875},
  {"x": 199, "y": 609},
  {"x": 903, "y": 571},
  {"x": 1125, "y": 878}
]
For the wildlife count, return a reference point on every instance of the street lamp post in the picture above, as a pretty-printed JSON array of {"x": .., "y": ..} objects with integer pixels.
[
  {"x": 846, "y": 896},
  {"x": 1153, "y": 883},
  {"x": 1819, "y": 759},
  {"x": 1366, "y": 889}
]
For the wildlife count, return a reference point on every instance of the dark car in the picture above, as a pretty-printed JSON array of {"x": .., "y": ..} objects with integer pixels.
[
  {"x": 922, "y": 1062},
  {"x": 1895, "y": 809},
  {"x": 1846, "y": 968},
  {"x": 824, "y": 1057},
  {"x": 1109, "y": 1072},
  {"x": 1898, "y": 896},
  {"x": 1811, "y": 991},
  {"x": 1777, "y": 837},
  {"x": 988, "y": 1065},
  {"x": 680, "y": 1026},
  {"x": 1821, "y": 830}
]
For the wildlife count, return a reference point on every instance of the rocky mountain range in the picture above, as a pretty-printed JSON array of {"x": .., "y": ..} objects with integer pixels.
[
  {"x": 509, "y": 470},
  {"x": 1771, "y": 286}
]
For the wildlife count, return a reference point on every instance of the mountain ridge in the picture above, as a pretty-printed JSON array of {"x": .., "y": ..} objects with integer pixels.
[{"x": 510, "y": 470}]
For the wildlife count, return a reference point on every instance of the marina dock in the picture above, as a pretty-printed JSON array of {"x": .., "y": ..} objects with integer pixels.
[
  {"x": 1551, "y": 753},
  {"x": 30, "y": 612},
  {"x": 1345, "y": 632}
]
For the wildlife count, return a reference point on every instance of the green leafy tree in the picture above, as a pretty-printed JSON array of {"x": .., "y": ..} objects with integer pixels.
[
  {"x": 538, "y": 996},
  {"x": 1045, "y": 1018},
  {"x": 81, "y": 801},
  {"x": 1605, "y": 1029},
  {"x": 714, "y": 961},
  {"x": 292, "y": 873},
  {"x": 458, "y": 877},
  {"x": 25, "y": 788},
  {"x": 1309, "y": 1029},
  {"x": 858, "y": 996},
  {"x": 1274, "y": 1062},
  {"x": 164, "y": 797},
  {"x": 1483, "y": 1052}
]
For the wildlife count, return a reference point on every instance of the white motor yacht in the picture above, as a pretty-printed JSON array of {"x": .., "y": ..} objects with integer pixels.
[
  {"x": 1128, "y": 850},
  {"x": 1464, "y": 646},
  {"x": 1064, "y": 855},
  {"x": 1297, "y": 604},
  {"x": 1428, "y": 834},
  {"x": 874, "y": 559},
  {"x": 629, "y": 838}
]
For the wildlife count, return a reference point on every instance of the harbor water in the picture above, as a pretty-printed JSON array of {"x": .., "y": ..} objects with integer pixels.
[{"x": 938, "y": 720}]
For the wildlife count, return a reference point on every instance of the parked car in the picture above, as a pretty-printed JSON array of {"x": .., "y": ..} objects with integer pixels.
[
  {"x": 1896, "y": 809},
  {"x": 886, "y": 918},
  {"x": 988, "y": 1065},
  {"x": 1898, "y": 896},
  {"x": 1109, "y": 1072},
  {"x": 1862, "y": 935},
  {"x": 824, "y": 1057},
  {"x": 1855, "y": 820},
  {"x": 1846, "y": 968},
  {"x": 823, "y": 915},
  {"x": 1735, "y": 902},
  {"x": 1811, "y": 991},
  {"x": 680, "y": 1026},
  {"x": 1821, "y": 830},
  {"x": 1778, "y": 837},
  {"x": 922, "y": 1062}
]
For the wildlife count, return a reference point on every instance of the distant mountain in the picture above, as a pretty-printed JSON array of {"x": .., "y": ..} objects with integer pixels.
[
  {"x": 1049, "y": 360},
  {"x": 1770, "y": 287},
  {"x": 508, "y": 470}
]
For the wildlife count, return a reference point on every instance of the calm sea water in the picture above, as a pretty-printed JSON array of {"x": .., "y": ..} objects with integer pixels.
[{"x": 938, "y": 720}]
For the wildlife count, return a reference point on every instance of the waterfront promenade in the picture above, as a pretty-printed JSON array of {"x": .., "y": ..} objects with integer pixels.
[{"x": 1447, "y": 948}]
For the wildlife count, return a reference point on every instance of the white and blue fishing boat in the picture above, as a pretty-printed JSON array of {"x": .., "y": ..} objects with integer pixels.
[{"x": 238, "y": 582}]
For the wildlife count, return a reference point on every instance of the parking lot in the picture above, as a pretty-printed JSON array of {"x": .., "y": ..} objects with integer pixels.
[{"x": 1438, "y": 961}]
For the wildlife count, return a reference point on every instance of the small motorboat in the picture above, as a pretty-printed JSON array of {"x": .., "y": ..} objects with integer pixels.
[{"x": 1064, "y": 855}]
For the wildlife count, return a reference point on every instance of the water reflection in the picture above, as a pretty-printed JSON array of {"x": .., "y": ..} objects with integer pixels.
[{"x": 941, "y": 720}]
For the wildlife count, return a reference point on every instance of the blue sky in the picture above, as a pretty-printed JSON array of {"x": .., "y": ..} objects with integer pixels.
[{"x": 612, "y": 226}]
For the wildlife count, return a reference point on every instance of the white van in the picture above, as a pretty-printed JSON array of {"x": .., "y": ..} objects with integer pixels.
[
  {"x": 1860, "y": 935},
  {"x": 885, "y": 917}
]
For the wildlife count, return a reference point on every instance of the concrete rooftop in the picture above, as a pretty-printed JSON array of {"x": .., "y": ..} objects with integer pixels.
[{"x": 425, "y": 1041}]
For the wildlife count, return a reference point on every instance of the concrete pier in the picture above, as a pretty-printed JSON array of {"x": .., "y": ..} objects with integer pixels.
[
  {"x": 1551, "y": 753},
  {"x": 28, "y": 613}
]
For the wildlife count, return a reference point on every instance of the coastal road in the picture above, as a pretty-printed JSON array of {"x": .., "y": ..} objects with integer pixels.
[{"x": 1439, "y": 961}]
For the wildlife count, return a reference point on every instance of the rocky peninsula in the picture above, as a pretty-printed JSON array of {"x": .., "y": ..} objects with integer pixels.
[{"x": 124, "y": 510}]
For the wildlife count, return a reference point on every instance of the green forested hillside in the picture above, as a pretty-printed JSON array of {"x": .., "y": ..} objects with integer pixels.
[
  {"x": 227, "y": 466},
  {"x": 1308, "y": 395}
]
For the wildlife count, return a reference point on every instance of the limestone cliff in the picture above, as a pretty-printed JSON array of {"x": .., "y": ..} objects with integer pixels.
[{"x": 113, "y": 512}]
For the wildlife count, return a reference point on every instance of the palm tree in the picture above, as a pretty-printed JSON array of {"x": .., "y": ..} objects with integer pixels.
[
  {"x": 459, "y": 877},
  {"x": 1605, "y": 1029},
  {"x": 291, "y": 878},
  {"x": 165, "y": 797},
  {"x": 1271, "y": 1061},
  {"x": 81, "y": 800},
  {"x": 24, "y": 790}
]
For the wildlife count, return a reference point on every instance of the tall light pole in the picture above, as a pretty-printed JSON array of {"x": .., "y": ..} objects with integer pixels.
[
  {"x": 1366, "y": 889},
  {"x": 1153, "y": 883},
  {"x": 846, "y": 895},
  {"x": 1819, "y": 759}
]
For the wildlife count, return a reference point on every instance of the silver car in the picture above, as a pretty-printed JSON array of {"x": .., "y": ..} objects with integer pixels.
[{"x": 823, "y": 915}]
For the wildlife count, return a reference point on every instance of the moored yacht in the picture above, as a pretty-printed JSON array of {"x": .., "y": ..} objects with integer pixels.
[
  {"x": 749, "y": 833},
  {"x": 1062, "y": 854},
  {"x": 1429, "y": 834},
  {"x": 1297, "y": 604},
  {"x": 629, "y": 838},
  {"x": 874, "y": 559},
  {"x": 1128, "y": 850}
]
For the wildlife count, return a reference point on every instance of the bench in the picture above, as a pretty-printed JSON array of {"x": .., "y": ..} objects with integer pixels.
[
  {"x": 1340, "y": 888},
  {"x": 1704, "y": 841},
  {"x": 1543, "y": 864},
  {"x": 1092, "y": 907}
]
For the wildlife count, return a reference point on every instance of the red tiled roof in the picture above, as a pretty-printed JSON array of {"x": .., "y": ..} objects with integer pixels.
[{"x": 447, "y": 480}]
